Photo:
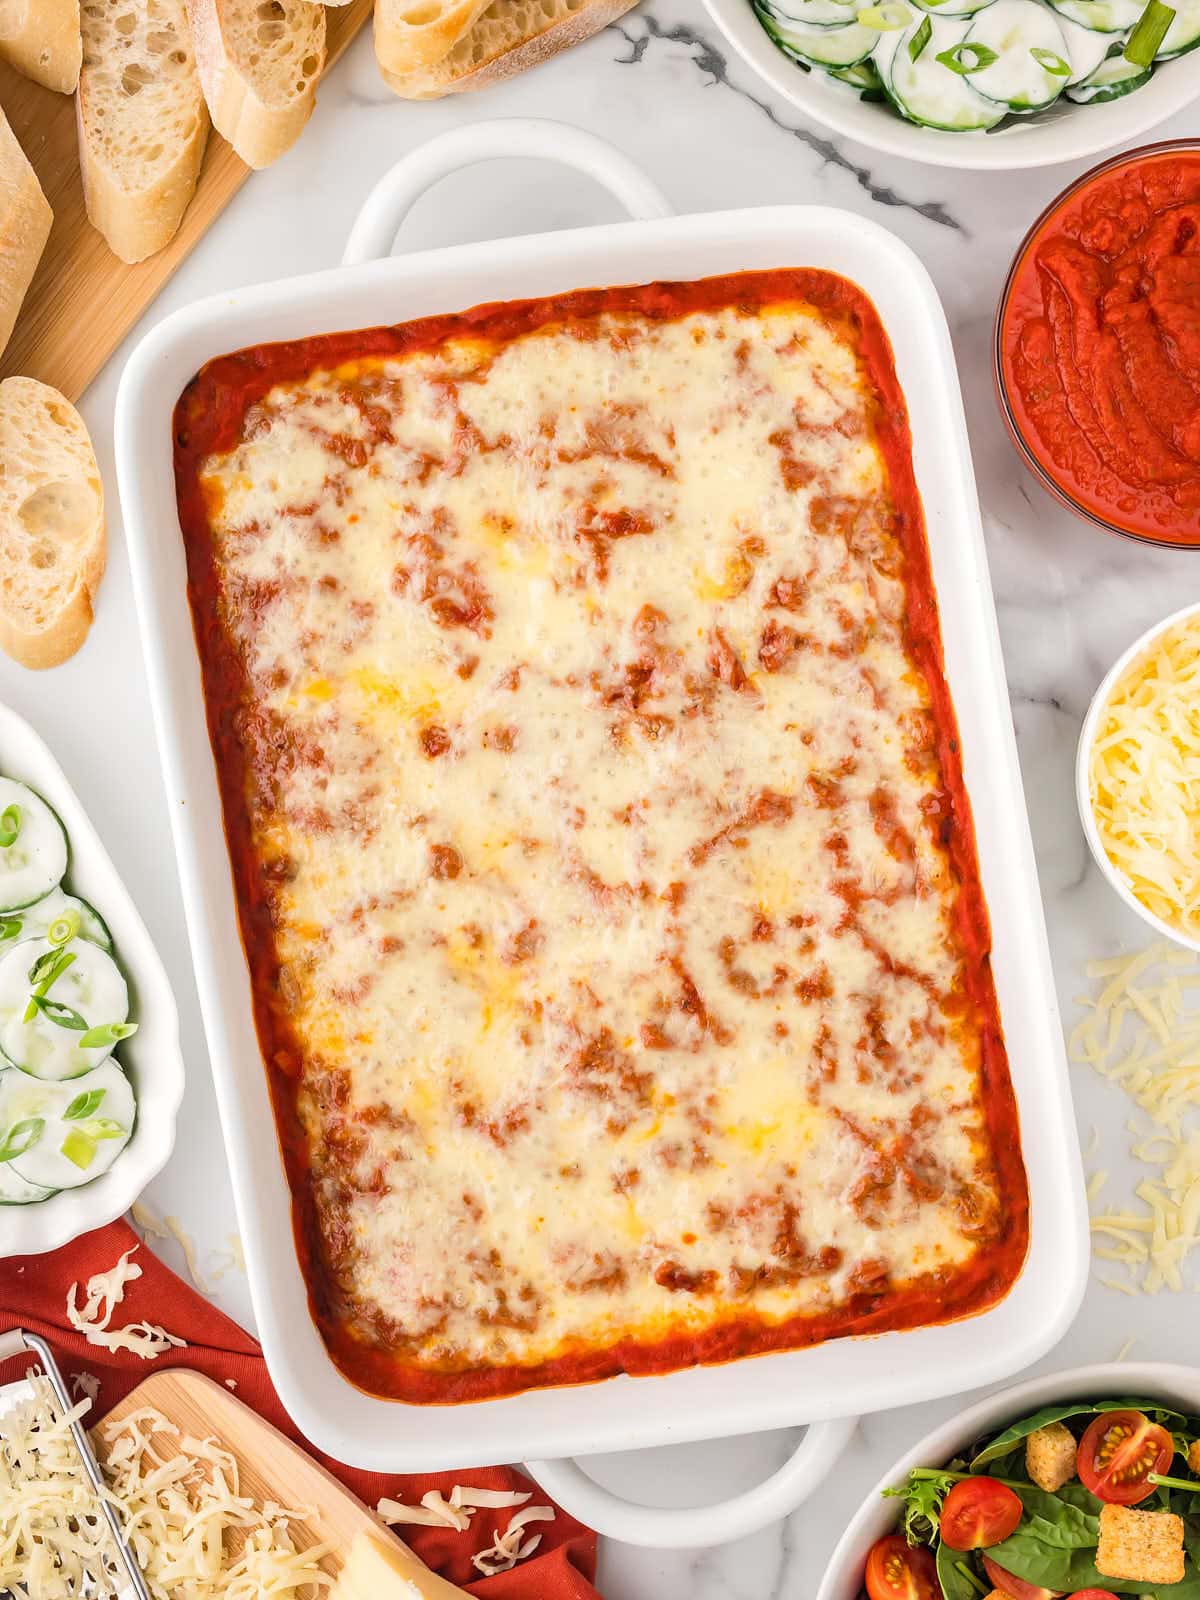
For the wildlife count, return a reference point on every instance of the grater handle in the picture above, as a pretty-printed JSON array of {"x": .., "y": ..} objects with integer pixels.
[{"x": 12, "y": 1344}]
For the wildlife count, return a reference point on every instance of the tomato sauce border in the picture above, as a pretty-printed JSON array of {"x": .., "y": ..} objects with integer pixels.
[{"x": 208, "y": 419}]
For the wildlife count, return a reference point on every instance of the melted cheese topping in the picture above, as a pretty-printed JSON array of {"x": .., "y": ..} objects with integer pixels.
[
  {"x": 596, "y": 799},
  {"x": 1145, "y": 777}
]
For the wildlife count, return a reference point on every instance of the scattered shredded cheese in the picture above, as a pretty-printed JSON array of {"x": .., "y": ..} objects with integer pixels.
[
  {"x": 435, "y": 1511},
  {"x": 194, "y": 1533},
  {"x": 85, "y": 1384},
  {"x": 105, "y": 1291},
  {"x": 148, "y": 1220},
  {"x": 188, "y": 1245},
  {"x": 232, "y": 1259},
  {"x": 1144, "y": 769},
  {"x": 510, "y": 1547},
  {"x": 1142, "y": 1033}
]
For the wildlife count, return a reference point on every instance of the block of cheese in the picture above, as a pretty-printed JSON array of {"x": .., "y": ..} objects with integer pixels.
[{"x": 379, "y": 1569}]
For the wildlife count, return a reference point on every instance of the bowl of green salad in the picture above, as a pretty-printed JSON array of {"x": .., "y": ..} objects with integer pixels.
[
  {"x": 985, "y": 84},
  {"x": 1083, "y": 1484}
]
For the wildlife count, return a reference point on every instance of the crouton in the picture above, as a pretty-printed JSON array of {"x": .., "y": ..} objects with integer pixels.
[
  {"x": 1140, "y": 1546},
  {"x": 1050, "y": 1456},
  {"x": 1194, "y": 1455}
]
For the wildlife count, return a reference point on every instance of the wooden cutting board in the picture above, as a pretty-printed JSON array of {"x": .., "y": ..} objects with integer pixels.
[
  {"x": 272, "y": 1467},
  {"x": 83, "y": 300}
]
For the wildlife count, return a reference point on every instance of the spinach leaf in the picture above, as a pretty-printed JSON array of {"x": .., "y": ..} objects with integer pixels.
[
  {"x": 1019, "y": 1431},
  {"x": 956, "y": 1585}
]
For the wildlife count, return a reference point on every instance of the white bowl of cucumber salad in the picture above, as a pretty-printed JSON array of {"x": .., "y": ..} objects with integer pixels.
[
  {"x": 990, "y": 84},
  {"x": 91, "y": 1074}
]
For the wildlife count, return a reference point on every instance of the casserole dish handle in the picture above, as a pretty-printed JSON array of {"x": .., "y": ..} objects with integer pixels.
[
  {"x": 389, "y": 202},
  {"x": 694, "y": 1527}
]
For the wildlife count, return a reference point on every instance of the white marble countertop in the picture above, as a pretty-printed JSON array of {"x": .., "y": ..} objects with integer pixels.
[{"x": 661, "y": 85}]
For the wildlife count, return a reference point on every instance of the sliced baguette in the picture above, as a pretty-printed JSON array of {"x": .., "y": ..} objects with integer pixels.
[
  {"x": 40, "y": 38},
  {"x": 509, "y": 37},
  {"x": 25, "y": 218},
  {"x": 143, "y": 123},
  {"x": 413, "y": 34},
  {"x": 259, "y": 62},
  {"x": 52, "y": 544}
]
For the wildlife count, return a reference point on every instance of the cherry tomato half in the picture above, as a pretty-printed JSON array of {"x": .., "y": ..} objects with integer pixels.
[
  {"x": 1117, "y": 1454},
  {"x": 1093, "y": 1594},
  {"x": 1016, "y": 1588},
  {"x": 978, "y": 1513},
  {"x": 897, "y": 1570}
]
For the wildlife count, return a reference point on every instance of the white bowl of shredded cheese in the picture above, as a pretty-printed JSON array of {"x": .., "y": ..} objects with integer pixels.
[{"x": 1137, "y": 777}]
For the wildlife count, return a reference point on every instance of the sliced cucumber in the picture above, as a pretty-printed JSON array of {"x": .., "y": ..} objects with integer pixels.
[
  {"x": 1086, "y": 48},
  {"x": 1184, "y": 33},
  {"x": 34, "y": 860},
  {"x": 809, "y": 13},
  {"x": 1101, "y": 16},
  {"x": 927, "y": 92},
  {"x": 33, "y": 922},
  {"x": 14, "y": 1191},
  {"x": 862, "y": 76},
  {"x": 1031, "y": 66},
  {"x": 953, "y": 8},
  {"x": 1111, "y": 79},
  {"x": 85, "y": 1125},
  {"x": 90, "y": 991},
  {"x": 825, "y": 47}
]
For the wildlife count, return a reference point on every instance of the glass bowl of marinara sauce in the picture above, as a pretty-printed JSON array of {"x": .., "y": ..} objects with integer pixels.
[{"x": 1097, "y": 346}]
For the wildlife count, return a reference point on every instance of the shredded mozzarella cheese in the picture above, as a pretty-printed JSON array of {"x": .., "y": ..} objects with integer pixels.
[
  {"x": 105, "y": 1291},
  {"x": 510, "y": 1547},
  {"x": 1142, "y": 1033},
  {"x": 1145, "y": 777},
  {"x": 194, "y": 1534},
  {"x": 435, "y": 1511}
]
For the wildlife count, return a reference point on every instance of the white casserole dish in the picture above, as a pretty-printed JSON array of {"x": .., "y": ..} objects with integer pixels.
[
  {"x": 152, "y": 1056},
  {"x": 1177, "y": 1387},
  {"x": 775, "y": 1390}
]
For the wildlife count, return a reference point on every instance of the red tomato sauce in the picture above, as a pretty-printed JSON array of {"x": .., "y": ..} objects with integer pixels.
[
  {"x": 208, "y": 419},
  {"x": 1099, "y": 345}
]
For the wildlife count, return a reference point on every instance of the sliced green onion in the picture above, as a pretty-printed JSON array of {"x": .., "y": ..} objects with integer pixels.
[
  {"x": 22, "y": 1136},
  {"x": 64, "y": 928},
  {"x": 920, "y": 39},
  {"x": 102, "y": 1128},
  {"x": 1050, "y": 61},
  {"x": 79, "y": 1149},
  {"x": 1161, "y": 1482},
  {"x": 10, "y": 826},
  {"x": 61, "y": 1016},
  {"x": 106, "y": 1035},
  {"x": 84, "y": 1105},
  {"x": 1148, "y": 34},
  {"x": 887, "y": 18},
  {"x": 956, "y": 59},
  {"x": 10, "y": 927},
  {"x": 48, "y": 968}
]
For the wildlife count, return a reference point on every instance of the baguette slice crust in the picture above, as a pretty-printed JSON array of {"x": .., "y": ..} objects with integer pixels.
[
  {"x": 52, "y": 542},
  {"x": 143, "y": 123},
  {"x": 413, "y": 34},
  {"x": 41, "y": 39},
  {"x": 259, "y": 62},
  {"x": 25, "y": 218},
  {"x": 509, "y": 37}
]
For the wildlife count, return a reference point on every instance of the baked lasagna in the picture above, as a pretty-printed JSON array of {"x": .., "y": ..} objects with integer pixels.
[{"x": 605, "y": 872}]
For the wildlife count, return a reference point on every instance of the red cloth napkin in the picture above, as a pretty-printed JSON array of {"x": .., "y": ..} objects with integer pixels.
[{"x": 33, "y": 1295}]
